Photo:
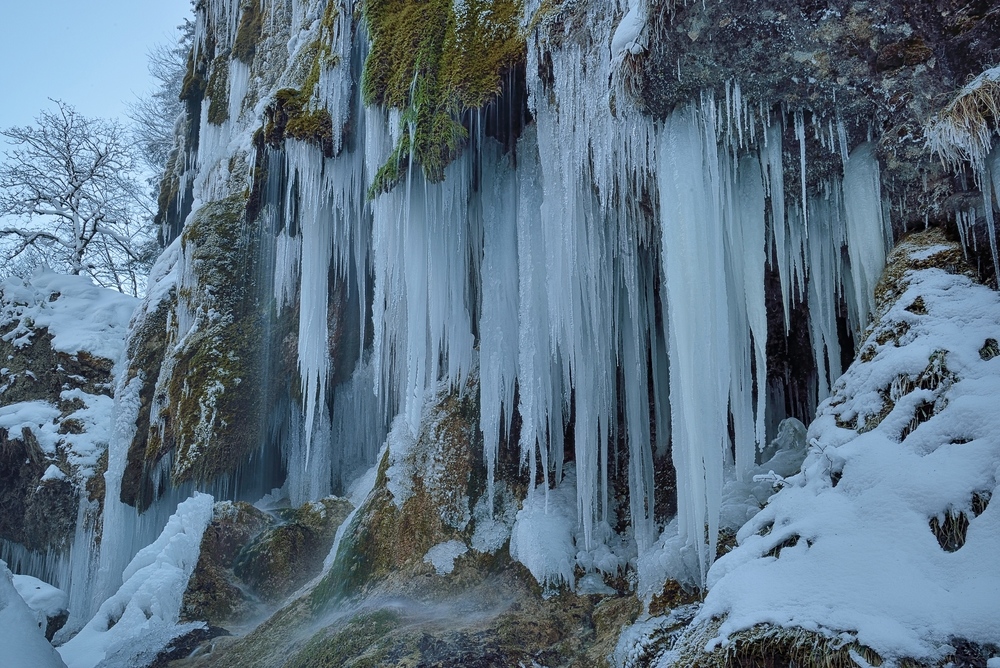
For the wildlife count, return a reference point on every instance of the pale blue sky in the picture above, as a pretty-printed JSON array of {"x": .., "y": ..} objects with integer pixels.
[{"x": 89, "y": 54}]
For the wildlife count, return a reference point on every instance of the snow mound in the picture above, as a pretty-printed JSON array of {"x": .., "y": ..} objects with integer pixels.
[
  {"x": 142, "y": 616},
  {"x": 42, "y": 598},
  {"x": 887, "y": 536},
  {"x": 22, "y": 640},
  {"x": 82, "y": 317}
]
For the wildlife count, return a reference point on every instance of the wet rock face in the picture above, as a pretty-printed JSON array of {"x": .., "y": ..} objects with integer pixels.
[
  {"x": 249, "y": 557},
  {"x": 200, "y": 390},
  {"x": 886, "y": 66},
  {"x": 38, "y": 515},
  {"x": 214, "y": 594},
  {"x": 283, "y": 558}
]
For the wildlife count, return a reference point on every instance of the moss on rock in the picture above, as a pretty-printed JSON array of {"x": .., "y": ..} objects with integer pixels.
[
  {"x": 248, "y": 33},
  {"x": 294, "y": 113},
  {"x": 218, "y": 92},
  {"x": 433, "y": 65}
]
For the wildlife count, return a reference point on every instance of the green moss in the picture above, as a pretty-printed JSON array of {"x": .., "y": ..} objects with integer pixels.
[
  {"x": 218, "y": 92},
  {"x": 193, "y": 86},
  {"x": 353, "y": 645},
  {"x": 434, "y": 66},
  {"x": 248, "y": 33},
  {"x": 214, "y": 385}
]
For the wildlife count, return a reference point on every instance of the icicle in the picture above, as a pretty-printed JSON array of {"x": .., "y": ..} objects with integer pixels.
[
  {"x": 775, "y": 186},
  {"x": 750, "y": 247},
  {"x": 697, "y": 305},
  {"x": 865, "y": 237},
  {"x": 498, "y": 323},
  {"x": 990, "y": 181},
  {"x": 800, "y": 133}
]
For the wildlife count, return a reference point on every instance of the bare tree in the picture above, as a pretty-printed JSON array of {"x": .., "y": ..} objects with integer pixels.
[
  {"x": 155, "y": 115},
  {"x": 70, "y": 194}
]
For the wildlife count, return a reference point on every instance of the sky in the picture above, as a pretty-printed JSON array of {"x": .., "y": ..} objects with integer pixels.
[{"x": 89, "y": 54}]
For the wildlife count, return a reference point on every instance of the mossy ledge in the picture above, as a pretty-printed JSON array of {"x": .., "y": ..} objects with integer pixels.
[
  {"x": 293, "y": 113},
  {"x": 434, "y": 65}
]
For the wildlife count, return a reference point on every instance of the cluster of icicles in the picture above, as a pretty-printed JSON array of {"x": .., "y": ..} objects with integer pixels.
[{"x": 609, "y": 269}]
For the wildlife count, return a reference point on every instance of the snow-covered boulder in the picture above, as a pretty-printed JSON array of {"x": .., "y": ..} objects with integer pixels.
[{"x": 47, "y": 602}]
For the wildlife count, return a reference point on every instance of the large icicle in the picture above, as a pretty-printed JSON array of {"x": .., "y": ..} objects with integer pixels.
[
  {"x": 697, "y": 307},
  {"x": 866, "y": 244},
  {"x": 498, "y": 323}
]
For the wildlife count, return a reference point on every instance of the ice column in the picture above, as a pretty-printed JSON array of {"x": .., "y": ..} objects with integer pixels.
[{"x": 697, "y": 307}]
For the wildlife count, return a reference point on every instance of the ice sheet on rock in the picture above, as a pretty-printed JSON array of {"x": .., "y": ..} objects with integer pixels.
[
  {"x": 443, "y": 555},
  {"x": 145, "y": 609},
  {"x": 21, "y": 635},
  {"x": 542, "y": 538},
  {"x": 493, "y": 517}
]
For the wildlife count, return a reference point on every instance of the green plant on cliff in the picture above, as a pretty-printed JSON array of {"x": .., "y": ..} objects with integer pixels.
[
  {"x": 248, "y": 33},
  {"x": 433, "y": 60}
]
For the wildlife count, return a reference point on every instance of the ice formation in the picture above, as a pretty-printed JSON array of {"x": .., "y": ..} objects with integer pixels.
[
  {"x": 610, "y": 280},
  {"x": 142, "y": 616},
  {"x": 604, "y": 279}
]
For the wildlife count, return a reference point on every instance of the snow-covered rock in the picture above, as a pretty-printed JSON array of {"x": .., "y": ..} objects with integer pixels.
[{"x": 47, "y": 602}]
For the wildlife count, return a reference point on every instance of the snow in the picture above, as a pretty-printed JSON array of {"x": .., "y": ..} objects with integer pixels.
[
  {"x": 673, "y": 557},
  {"x": 443, "y": 555},
  {"x": 44, "y": 421},
  {"x": 142, "y": 615},
  {"x": 860, "y": 560},
  {"x": 627, "y": 36},
  {"x": 43, "y": 599},
  {"x": 82, "y": 317},
  {"x": 53, "y": 473},
  {"x": 22, "y": 636}
]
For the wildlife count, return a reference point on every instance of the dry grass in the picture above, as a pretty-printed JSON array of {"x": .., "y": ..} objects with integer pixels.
[{"x": 963, "y": 131}]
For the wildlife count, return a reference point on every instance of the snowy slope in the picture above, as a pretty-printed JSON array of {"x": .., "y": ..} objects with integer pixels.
[{"x": 81, "y": 316}]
